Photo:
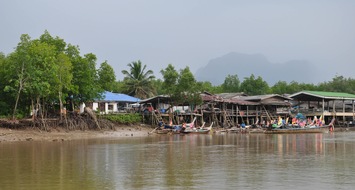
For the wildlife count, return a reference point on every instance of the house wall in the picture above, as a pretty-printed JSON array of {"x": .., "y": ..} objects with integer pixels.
[
  {"x": 163, "y": 106},
  {"x": 107, "y": 107},
  {"x": 115, "y": 107},
  {"x": 95, "y": 106},
  {"x": 111, "y": 107},
  {"x": 81, "y": 108},
  {"x": 181, "y": 109}
]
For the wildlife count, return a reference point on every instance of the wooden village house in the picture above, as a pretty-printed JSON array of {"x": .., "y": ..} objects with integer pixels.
[
  {"x": 233, "y": 109},
  {"x": 327, "y": 104},
  {"x": 237, "y": 108},
  {"x": 225, "y": 110}
]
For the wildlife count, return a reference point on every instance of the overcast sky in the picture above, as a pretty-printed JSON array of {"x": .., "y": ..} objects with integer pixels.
[{"x": 190, "y": 33}]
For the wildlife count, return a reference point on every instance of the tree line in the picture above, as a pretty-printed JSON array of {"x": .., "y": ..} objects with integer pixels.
[{"x": 47, "y": 75}]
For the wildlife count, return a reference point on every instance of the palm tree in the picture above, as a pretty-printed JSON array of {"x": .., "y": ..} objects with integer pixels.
[{"x": 137, "y": 82}]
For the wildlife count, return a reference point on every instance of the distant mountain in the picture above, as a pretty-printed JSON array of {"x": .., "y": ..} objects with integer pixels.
[{"x": 246, "y": 64}]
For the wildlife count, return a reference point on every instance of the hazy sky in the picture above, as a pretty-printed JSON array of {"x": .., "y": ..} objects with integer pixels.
[{"x": 190, "y": 33}]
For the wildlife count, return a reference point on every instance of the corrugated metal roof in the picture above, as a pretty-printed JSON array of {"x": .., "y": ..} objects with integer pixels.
[
  {"x": 210, "y": 97},
  {"x": 240, "y": 102},
  {"x": 117, "y": 97},
  {"x": 218, "y": 98},
  {"x": 164, "y": 98},
  {"x": 312, "y": 95},
  {"x": 263, "y": 97},
  {"x": 241, "y": 99},
  {"x": 332, "y": 94},
  {"x": 232, "y": 95}
]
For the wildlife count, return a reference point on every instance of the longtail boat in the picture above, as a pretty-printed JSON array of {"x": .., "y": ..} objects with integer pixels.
[
  {"x": 305, "y": 129},
  {"x": 172, "y": 129},
  {"x": 202, "y": 130},
  {"x": 298, "y": 130}
]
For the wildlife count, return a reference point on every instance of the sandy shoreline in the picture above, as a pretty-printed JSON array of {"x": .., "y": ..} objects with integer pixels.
[{"x": 60, "y": 134}]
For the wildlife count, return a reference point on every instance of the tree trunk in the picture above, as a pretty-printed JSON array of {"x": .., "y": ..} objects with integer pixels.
[
  {"x": 21, "y": 81},
  {"x": 17, "y": 99},
  {"x": 60, "y": 106},
  {"x": 93, "y": 116}
]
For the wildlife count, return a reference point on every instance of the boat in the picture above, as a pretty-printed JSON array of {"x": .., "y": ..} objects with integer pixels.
[
  {"x": 164, "y": 131},
  {"x": 202, "y": 130},
  {"x": 245, "y": 128},
  {"x": 172, "y": 129},
  {"x": 306, "y": 129},
  {"x": 297, "y": 130},
  {"x": 233, "y": 130}
]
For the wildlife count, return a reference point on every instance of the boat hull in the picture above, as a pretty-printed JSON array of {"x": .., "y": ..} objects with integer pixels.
[
  {"x": 297, "y": 130},
  {"x": 197, "y": 132},
  {"x": 167, "y": 131}
]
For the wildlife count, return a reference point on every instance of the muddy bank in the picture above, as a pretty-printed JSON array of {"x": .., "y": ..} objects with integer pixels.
[{"x": 60, "y": 134}]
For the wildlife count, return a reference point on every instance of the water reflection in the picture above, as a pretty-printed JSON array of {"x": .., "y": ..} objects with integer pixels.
[
  {"x": 45, "y": 165},
  {"x": 228, "y": 161}
]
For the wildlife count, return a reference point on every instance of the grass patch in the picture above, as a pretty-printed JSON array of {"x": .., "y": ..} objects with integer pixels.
[{"x": 130, "y": 118}]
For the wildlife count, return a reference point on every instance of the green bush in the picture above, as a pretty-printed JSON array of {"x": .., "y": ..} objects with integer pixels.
[{"x": 130, "y": 118}]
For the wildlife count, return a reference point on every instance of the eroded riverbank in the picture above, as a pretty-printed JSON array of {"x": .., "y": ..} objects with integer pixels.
[{"x": 60, "y": 134}]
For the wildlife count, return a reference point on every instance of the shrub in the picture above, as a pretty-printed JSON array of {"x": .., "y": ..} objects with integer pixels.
[{"x": 129, "y": 118}]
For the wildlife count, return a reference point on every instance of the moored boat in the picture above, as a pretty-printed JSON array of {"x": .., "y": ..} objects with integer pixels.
[
  {"x": 202, "y": 130},
  {"x": 167, "y": 131},
  {"x": 172, "y": 129},
  {"x": 297, "y": 130},
  {"x": 305, "y": 129}
]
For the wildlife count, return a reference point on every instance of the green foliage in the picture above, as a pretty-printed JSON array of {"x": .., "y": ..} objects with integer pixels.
[
  {"x": 63, "y": 78},
  {"x": 46, "y": 71},
  {"x": 118, "y": 86},
  {"x": 254, "y": 86},
  {"x": 2, "y": 58},
  {"x": 3, "y": 103},
  {"x": 138, "y": 81},
  {"x": 281, "y": 87},
  {"x": 41, "y": 69},
  {"x": 158, "y": 86},
  {"x": 186, "y": 80},
  {"x": 181, "y": 87},
  {"x": 231, "y": 84},
  {"x": 170, "y": 76},
  {"x": 85, "y": 79},
  {"x": 64, "y": 73},
  {"x": 208, "y": 87},
  {"x": 107, "y": 77},
  {"x": 124, "y": 118},
  {"x": 58, "y": 43},
  {"x": 338, "y": 84},
  {"x": 187, "y": 90}
]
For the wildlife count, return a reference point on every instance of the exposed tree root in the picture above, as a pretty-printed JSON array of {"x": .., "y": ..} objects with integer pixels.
[{"x": 85, "y": 121}]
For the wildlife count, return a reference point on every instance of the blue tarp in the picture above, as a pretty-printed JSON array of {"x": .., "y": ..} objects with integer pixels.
[
  {"x": 300, "y": 116},
  {"x": 117, "y": 97}
]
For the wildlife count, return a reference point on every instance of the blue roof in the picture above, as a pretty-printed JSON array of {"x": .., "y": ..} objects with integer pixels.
[{"x": 117, "y": 97}]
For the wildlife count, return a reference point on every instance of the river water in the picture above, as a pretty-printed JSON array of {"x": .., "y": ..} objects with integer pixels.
[{"x": 218, "y": 161}]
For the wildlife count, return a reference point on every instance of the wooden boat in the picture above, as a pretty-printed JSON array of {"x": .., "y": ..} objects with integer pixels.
[
  {"x": 306, "y": 129},
  {"x": 234, "y": 130},
  {"x": 297, "y": 130},
  {"x": 163, "y": 131},
  {"x": 171, "y": 129},
  {"x": 245, "y": 129},
  {"x": 197, "y": 131},
  {"x": 201, "y": 130}
]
